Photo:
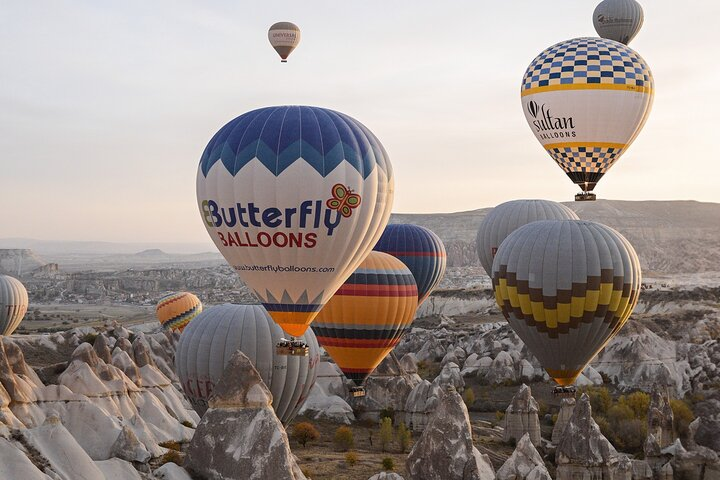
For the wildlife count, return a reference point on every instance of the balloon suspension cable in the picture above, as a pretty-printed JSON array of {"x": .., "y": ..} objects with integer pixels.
[
  {"x": 357, "y": 391},
  {"x": 292, "y": 347},
  {"x": 564, "y": 392}
]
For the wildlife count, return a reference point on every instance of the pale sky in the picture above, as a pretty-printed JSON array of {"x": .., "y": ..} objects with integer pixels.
[{"x": 106, "y": 107}]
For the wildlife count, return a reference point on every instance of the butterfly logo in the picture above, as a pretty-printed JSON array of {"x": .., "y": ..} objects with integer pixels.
[{"x": 344, "y": 200}]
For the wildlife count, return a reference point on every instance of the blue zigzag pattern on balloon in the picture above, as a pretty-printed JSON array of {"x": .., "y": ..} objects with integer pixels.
[{"x": 281, "y": 136}]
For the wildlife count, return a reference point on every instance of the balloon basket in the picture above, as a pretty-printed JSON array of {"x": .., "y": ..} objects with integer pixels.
[
  {"x": 292, "y": 347},
  {"x": 564, "y": 392},
  {"x": 585, "y": 197},
  {"x": 357, "y": 391}
]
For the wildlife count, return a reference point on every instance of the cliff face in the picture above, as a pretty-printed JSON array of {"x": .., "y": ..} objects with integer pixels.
[
  {"x": 18, "y": 262},
  {"x": 670, "y": 237}
]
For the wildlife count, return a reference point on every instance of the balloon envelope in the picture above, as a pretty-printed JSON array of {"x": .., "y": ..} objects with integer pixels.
[
  {"x": 13, "y": 304},
  {"x": 618, "y": 20},
  {"x": 508, "y": 217},
  {"x": 368, "y": 315},
  {"x": 294, "y": 198},
  {"x": 284, "y": 37},
  {"x": 586, "y": 100},
  {"x": 176, "y": 310},
  {"x": 566, "y": 287},
  {"x": 208, "y": 343},
  {"x": 420, "y": 250}
]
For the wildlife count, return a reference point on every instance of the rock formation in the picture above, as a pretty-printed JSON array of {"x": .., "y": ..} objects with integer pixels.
[
  {"x": 239, "y": 437},
  {"x": 521, "y": 417},
  {"x": 583, "y": 451},
  {"x": 445, "y": 449},
  {"x": 421, "y": 404},
  {"x": 386, "y": 388},
  {"x": 567, "y": 405},
  {"x": 660, "y": 418},
  {"x": 450, "y": 376},
  {"x": 386, "y": 476},
  {"x": 524, "y": 463}
]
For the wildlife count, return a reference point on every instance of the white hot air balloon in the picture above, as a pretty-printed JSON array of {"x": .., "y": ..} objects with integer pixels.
[
  {"x": 13, "y": 304},
  {"x": 284, "y": 38},
  {"x": 294, "y": 198},
  {"x": 508, "y": 217},
  {"x": 618, "y": 20},
  {"x": 209, "y": 341},
  {"x": 586, "y": 100}
]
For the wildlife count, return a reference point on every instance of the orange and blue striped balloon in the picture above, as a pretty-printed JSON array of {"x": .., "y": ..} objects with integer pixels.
[
  {"x": 174, "y": 311},
  {"x": 368, "y": 315},
  {"x": 420, "y": 249}
]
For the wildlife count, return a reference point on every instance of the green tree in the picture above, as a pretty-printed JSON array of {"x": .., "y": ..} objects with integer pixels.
[
  {"x": 388, "y": 464},
  {"x": 351, "y": 459},
  {"x": 639, "y": 402},
  {"x": 682, "y": 416},
  {"x": 304, "y": 432},
  {"x": 386, "y": 433},
  {"x": 404, "y": 437}
]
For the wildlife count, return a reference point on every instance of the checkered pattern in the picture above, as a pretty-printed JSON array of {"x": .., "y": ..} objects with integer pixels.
[
  {"x": 588, "y": 61},
  {"x": 585, "y": 159}
]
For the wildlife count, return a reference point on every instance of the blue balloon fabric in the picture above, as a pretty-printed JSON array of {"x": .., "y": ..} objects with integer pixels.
[{"x": 420, "y": 249}]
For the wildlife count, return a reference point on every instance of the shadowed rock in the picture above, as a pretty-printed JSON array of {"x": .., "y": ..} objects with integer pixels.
[
  {"x": 102, "y": 348},
  {"x": 445, "y": 450},
  {"x": 583, "y": 451},
  {"x": 660, "y": 418},
  {"x": 421, "y": 404},
  {"x": 239, "y": 436},
  {"x": 521, "y": 417},
  {"x": 567, "y": 405},
  {"x": 524, "y": 463}
]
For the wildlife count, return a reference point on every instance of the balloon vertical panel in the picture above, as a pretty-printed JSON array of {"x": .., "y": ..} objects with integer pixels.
[
  {"x": 294, "y": 198},
  {"x": 13, "y": 304}
]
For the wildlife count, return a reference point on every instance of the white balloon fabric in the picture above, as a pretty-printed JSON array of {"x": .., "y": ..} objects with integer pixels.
[
  {"x": 618, "y": 20},
  {"x": 586, "y": 100},
  {"x": 13, "y": 304},
  {"x": 208, "y": 342},
  {"x": 284, "y": 38},
  {"x": 508, "y": 217},
  {"x": 294, "y": 198}
]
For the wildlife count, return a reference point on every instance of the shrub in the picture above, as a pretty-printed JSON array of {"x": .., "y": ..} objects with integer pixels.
[
  {"x": 600, "y": 399},
  {"x": 638, "y": 402},
  {"x": 629, "y": 436},
  {"x": 404, "y": 437},
  {"x": 89, "y": 338},
  {"x": 351, "y": 459},
  {"x": 187, "y": 423},
  {"x": 172, "y": 456},
  {"x": 304, "y": 432},
  {"x": 171, "y": 445},
  {"x": 619, "y": 413},
  {"x": 388, "y": 413},
  {"x": 542, "y": 409},
  {"x": 682, "y": 416},
  {"x": 344, "y": 439},
  {"x": 469, "y": 397},
  {"x": 388, "y": 464},
  {"x": 604, "y": 425},
  {"x": 386, "y": 433},
  {"x": 499, "y": 415}
]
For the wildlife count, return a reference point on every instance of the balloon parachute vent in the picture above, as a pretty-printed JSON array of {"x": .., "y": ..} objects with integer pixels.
[
  {"x": 295, "y": 348},
  {"x": 357, "y": 391},
  {"x": 564, "y": 392},
  {"x": 585, "y": 197}
]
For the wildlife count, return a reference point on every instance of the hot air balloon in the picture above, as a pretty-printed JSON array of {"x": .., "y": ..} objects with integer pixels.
[
  {"x": 618, "y": 20},
  {"x": 509, "y": 216},
  {"x": 566, "y": 287},
  {"x": 176, "y": 310},
  {"x": 207, "y": 344},
  {"x": 294, "y": 198},
  {"x": 367, "y": 316},
  {"x": 586, "y": 100},
  {"x": 420, "y": 250},
  {"x": 284, "y": 37},
  {"x": 13, "y": 304}
]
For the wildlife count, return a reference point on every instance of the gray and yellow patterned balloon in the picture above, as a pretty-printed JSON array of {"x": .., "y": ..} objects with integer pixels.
[
  {"x": 566, "y": 287},
  {"x": 13, "y": 304},
  {"x": 618, "y": 20}
]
